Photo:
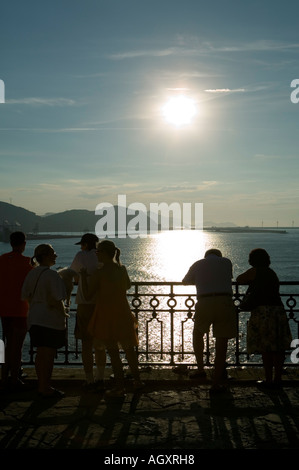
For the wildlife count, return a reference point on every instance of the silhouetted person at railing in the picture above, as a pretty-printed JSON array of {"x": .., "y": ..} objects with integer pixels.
[
  {"x": 112, "y": 324},
  {"x": 87, "y": 259},
  {"x": 45, "y": 291},
  {"x": 212, "y": 277},
  {"x": 268, "y": 330},
  {"x": 14, "y": 267}
]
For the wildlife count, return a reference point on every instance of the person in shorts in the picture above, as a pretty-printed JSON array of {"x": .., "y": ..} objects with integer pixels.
[
  {"x": 45, "y": 291},
  {"x": 212, "y": 277},
  {"x": 86, "y": 259}
]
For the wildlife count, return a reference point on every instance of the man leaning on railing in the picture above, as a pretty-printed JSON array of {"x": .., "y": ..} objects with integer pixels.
[{"x": 212, "y": 277}]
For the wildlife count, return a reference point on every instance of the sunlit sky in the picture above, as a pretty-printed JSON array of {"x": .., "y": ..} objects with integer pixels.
[{"x": 85, "y": 86}]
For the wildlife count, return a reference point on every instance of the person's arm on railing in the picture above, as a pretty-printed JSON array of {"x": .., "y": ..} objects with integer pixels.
[
  {"x": 189, "y": 278},
  {"x": 247, "y": 276}
]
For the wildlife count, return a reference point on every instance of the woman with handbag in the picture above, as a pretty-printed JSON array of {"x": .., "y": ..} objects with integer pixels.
[
  {"x": 45, "y": 291},
  {"x": 268, "y": 330}
]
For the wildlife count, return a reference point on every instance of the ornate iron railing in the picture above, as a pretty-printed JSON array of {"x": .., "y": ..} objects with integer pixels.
[{"x": 165, "y": 312}]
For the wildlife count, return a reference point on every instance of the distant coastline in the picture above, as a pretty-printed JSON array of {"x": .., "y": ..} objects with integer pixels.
[
  {"x": 44, "y": 236},
  {"x": 74, "y": 223},
  {"x": 244, "y": 230},
  {"x": 52, "y": 236}
]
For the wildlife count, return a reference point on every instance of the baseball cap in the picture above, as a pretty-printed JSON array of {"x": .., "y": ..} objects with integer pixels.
[{"x": 88, "y": 238}]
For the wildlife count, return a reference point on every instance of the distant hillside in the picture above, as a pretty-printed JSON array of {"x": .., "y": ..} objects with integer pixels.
[
  {"x": 76, "y": 220},
  {"x": 17, "y": 218},
  {"x": 69, "y": 221}
]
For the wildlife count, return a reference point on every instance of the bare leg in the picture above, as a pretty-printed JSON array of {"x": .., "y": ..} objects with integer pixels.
[
  {"x": 134, "y": 367},
  {"x": 14, "y": 336},
  {"x": 16, "y": 357},
  {"x": 117, "y": 367},
  {"x": 198, "y": 346},
  {"x": 268, "y": 365},
  {"x": 87, "y": 359},
  {"x": 278, "y": 361},
  {"x": 44, "y": 367},
  {"x": 220, "y": 359},
  {"x": 100, "y": 359}
]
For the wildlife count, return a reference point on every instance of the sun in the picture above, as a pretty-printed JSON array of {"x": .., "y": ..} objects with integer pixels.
[{"x": 179, "y": 110}]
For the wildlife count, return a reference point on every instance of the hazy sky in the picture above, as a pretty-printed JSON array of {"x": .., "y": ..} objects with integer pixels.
[{"x": 85, "y": 84}]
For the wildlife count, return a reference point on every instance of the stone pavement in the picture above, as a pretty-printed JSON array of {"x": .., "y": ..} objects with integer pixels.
[{"x": 171, "y": 412}]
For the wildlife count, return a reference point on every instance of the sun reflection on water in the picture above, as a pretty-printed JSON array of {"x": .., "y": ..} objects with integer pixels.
[
  {"x": 167, "y": 257},
  {"x": 176, "y": 251}
]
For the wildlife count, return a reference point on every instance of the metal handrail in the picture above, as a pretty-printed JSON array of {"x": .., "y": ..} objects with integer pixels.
[
  {"x": 156, "y": 308},
  {"x": 165, "y": 315}
]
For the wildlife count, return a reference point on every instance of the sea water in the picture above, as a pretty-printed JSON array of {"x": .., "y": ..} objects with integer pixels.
[{"x": 167, "y": 256}]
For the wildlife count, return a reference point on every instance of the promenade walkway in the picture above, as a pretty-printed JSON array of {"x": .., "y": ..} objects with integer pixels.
[{"x": 171, "y": 413}]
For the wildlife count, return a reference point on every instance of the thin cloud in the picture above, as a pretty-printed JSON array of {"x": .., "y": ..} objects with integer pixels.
[
  {"x": 180, "y": 188},
  {"x": 225, "y": 90},
  {"x": 260, "y": 45},
  {"x": 143, "y": 53},
  {"x": 198, "y": 48},
  {"x": 91, "y": 75},
  {"x": 261, "y": 156},
  {"x": 36, "y": 101},
  {"x": 42, "y": 130},
  {"x": 178, "y": 89}
]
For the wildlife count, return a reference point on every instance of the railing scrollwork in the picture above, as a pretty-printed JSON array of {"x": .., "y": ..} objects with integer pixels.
[{"x": 165, "y": 315}]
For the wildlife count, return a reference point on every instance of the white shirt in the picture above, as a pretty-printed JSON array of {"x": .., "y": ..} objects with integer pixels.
[
  {"x": 49, "y": 285},
  {"x": 212, "y": 274},
  {"x": 88, "y": 260}
]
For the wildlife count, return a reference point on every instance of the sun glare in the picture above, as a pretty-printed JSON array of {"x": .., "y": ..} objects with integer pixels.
[
  {"x": 188, "y": 246},
  {"x": 179, "y": 110}
]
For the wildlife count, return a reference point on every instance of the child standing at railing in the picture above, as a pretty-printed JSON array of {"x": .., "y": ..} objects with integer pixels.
[{"x": 112, "y": 324}]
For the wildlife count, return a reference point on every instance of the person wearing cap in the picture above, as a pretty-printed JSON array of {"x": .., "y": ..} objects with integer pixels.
[
  {"x": 87, "y": 259},
  {"x": 212, "y": 277},
  {"x": 14, "y": 267}
]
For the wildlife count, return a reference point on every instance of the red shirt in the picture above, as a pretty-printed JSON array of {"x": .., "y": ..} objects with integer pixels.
[{"x": 14, "y": 267}]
